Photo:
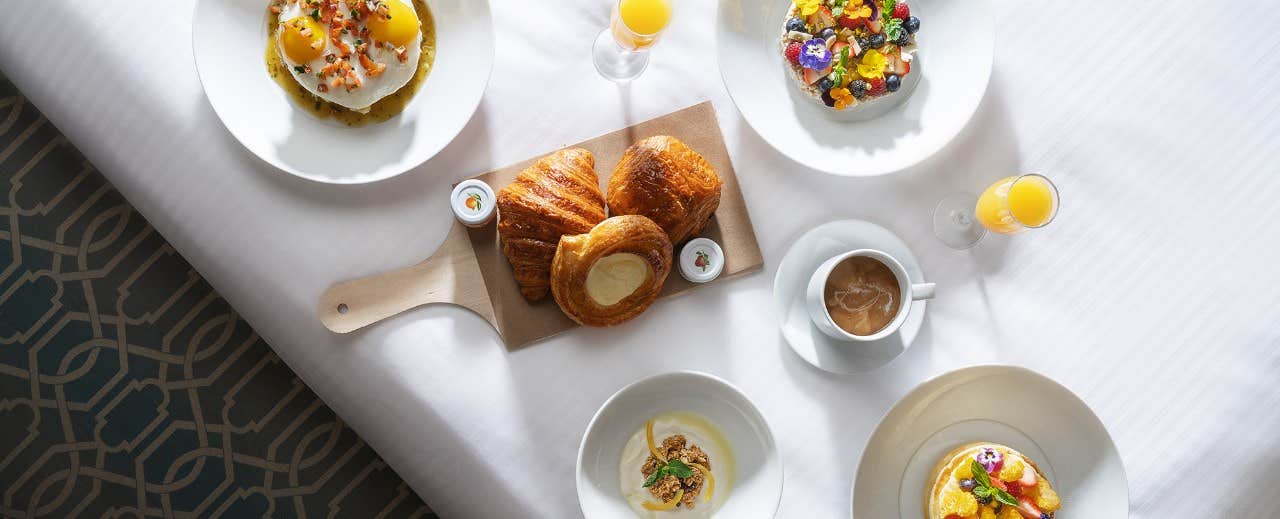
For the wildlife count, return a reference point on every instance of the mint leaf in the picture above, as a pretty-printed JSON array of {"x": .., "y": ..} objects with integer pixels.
[
  {"x": 653, "y": 478},
  {"x": 893, "y": 29},
  {"x": 1005, "y": 497},
  {"x": 980, "y": 474},
  {"x": 678, "y": 468},
  {"x": 982, "y": 492}
]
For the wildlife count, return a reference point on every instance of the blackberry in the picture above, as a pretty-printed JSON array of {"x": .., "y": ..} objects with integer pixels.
[
  {"x": 827, "y": 99},
  {"x": 876, "y": 41},
  {"x": 796, "y": 24},
  {"x": 912, "y": 24},
  {"x": 892, "y": 82},
  {"x": 904, "y": 39},
  {"x": 859, "y": 88}
]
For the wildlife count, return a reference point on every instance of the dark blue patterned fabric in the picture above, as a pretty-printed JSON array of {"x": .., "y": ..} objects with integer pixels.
[{"x": 128, "y": 388}]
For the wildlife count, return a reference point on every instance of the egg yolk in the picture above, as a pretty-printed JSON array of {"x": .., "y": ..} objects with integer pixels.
[
  {"x": 399, "y": 24},
  {"x": 302, "y": 39}
]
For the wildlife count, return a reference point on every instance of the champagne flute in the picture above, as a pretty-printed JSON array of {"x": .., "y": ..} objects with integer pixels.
[
  {"x": 621, "y": 51},
  {"x": 1011, "y": 205}
]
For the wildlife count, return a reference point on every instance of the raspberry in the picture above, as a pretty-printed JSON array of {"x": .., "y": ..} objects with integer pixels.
[
  {"x": 793, "y": 52},
  {"x": 901, "y": 11},
  {"x": 877, "y": 87}
]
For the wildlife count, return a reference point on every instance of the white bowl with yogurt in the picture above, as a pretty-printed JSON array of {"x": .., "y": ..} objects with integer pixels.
[{"x": 711, "y": 413}]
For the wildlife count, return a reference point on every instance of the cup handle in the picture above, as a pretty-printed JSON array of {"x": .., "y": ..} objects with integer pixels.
[{"x": 922, "y": 291}]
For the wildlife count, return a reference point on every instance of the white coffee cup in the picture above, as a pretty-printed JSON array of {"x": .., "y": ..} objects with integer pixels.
[{"x": 822, "y": 317}]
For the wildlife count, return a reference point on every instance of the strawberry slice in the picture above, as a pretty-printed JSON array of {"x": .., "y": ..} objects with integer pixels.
[
  {"x": 812, "y": 76},
  {"x": 875, "y": 25},
  {"x": 1029, "y": 510},
  {"x": 1029, "y": 477}
]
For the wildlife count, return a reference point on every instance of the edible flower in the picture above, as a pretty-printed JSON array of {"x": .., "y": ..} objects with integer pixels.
[
  {"x": 990, "y": 459},
  {"x": 843, "y": 97},
  {"x": 808, "y": 7},
  {"x": 872, "y": 64},
  {"x": 815, "y": 54},
  {"x": 862, "y": 11}
]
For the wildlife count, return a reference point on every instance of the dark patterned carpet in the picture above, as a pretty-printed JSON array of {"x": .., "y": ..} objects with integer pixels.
[{"x": 128, "y": 388}]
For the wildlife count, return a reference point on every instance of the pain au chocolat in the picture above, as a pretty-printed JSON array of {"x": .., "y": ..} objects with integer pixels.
[{"x": 666, "y": 181}]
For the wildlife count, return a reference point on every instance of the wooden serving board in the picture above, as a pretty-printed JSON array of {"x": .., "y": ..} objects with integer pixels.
[{"x": 471, "y": 271}]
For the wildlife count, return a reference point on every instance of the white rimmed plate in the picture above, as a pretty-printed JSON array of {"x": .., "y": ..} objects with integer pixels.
[
  {"x": 757, "y": 482},
  {"x": 956, "y": 47},
  {"x": 1003, "y": 404},
  {"x": 229, "y": 39}
]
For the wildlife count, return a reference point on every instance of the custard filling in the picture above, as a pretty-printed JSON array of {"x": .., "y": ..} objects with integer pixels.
[{"x": 616, "y": 276}]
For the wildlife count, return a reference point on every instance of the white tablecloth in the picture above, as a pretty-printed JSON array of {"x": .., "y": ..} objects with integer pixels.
[{"x": 1155, "y": 295}]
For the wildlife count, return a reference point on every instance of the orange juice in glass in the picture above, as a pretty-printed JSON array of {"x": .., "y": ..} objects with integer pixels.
[
  {"x": 619, "y": 52},
  {"x": 1009, "y": 206}
]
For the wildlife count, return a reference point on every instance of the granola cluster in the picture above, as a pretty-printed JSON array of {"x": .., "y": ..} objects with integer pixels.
[{"x": 677, "y": 447}]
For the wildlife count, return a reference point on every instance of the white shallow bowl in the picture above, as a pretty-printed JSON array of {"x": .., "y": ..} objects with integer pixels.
[
  {"x": 229, "y": 39},
  {"x": 1002, "y": 404},
  {"x": 956, "y": 48},
  {"x": 757, "y": 482}
]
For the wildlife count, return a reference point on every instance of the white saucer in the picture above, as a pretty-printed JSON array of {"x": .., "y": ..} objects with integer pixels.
[
  {"x": 756, "y": 486},
  {"x": 1002, "y": 404},
  {"x": 229, "y": 39},
  {"x": 803, "y": 258},
  {"x": 955, "y": 56}
]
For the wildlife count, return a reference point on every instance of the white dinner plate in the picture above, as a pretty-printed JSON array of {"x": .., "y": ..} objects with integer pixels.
[
  {"x": 799, "y": 263},
  {"x": 756, "y": 488},
  {"x": 1003, "y": 404},
  {"x": 956, "y": 48},
  {"x": 229, "y": 39}
]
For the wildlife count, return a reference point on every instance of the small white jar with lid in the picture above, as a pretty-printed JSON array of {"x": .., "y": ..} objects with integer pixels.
[
  {"x": 473, "y": 203},
  {"x": 701, "y": 260}
]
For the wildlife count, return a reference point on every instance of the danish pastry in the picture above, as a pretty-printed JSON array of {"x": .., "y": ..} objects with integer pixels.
[{"x": 613, "y": 273}]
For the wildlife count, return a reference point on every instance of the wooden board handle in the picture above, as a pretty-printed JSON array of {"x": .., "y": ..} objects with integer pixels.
[{"x": 451, "y": 275}]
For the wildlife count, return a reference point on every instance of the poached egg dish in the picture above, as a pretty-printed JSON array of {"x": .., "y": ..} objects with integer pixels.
[{"x": 349, "y": 52}]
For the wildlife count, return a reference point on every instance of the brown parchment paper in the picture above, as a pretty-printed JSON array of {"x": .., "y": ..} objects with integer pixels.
[{"x": 521, "y": 323}]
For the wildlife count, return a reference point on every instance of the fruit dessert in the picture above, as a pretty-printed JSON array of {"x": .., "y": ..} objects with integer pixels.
[
  {"x": 989, "y": 481},
  {"x": 847, "y": 52}
]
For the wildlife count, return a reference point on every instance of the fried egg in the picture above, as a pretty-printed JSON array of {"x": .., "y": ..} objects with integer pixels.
[{"x": 350, "y": 52}]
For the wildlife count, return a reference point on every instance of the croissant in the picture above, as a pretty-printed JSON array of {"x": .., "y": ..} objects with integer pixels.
[
  {"x": 613, "y": 273},
  {"x": 663, "y": 179},
  {"x": 557, "y": 195}
]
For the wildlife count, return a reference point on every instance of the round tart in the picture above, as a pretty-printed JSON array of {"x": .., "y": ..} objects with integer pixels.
[{"x": 989, "y": 481}]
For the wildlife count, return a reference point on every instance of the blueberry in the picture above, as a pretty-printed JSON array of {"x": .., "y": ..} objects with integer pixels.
[
  {"x": 912, "y": 24},
  {"x": 827, "y": 99},
  {"x": 796, "y": 24},
  {"x": 876, "y": 41},
  {"x": 892, "y": 82},
  {"x": 984, "y": 500},
  {"x": 827, "y": 33},
  {"x": 859, "y": 88},
  {"x": 826, "y": 84},
  {"x": 967, "y": 485},
  {"x": 864, "y": 44}
]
